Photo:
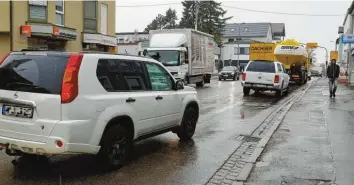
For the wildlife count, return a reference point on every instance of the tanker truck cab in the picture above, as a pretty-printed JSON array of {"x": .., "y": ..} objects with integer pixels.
[{"x": 174, "y": 59}]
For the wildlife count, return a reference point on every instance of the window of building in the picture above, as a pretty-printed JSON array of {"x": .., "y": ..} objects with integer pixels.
[
  {"x": 37, "y": 10},
  {"x": 242, "y": 51},
  {"x": 231, "y": 40},
  {"x": 90, "y": 16},
  {"x": 104, "y": 17},
  {"x": 59, "y": 12}
]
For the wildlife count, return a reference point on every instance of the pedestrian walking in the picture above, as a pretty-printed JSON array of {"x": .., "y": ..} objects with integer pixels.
[{"x": 333, "y": 74}]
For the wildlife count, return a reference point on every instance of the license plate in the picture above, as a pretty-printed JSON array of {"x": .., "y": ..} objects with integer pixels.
[
  {"x": 225, "y": 75},
  {"x": 261, "y": 85},
  {"x": 16, "y": 111}
]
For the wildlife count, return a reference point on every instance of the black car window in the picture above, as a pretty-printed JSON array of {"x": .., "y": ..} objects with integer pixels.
[
  {"x": 121, "y": 75},
  {"x": 261, "y": 66},
  {"x": 33, "y": 73}
]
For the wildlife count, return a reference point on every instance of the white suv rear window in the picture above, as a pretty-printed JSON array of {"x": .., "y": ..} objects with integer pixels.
[
  {"x": 33, "y": 73},
  {"x": 261, "y": 66}
]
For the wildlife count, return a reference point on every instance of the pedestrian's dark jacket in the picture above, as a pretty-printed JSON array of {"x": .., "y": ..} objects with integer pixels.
[{"x": 333, "y": 71}]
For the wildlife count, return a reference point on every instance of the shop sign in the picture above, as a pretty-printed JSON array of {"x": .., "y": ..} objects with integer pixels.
[
  {"x": 100, "y": 39},
  {"x": 70, "y": 34},
  {"x": 47, "y": 29},
  {"x": 55, "y": 31},
  {"x": 26, "y": 30},
  {"x": 347, "y": 39}
]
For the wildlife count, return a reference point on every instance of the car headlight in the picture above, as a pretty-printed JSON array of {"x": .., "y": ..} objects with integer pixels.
[{"x": 232, "y": 73}]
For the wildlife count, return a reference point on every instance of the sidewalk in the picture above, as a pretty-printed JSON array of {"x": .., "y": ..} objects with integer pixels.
[{"x": 314, "y": 144}]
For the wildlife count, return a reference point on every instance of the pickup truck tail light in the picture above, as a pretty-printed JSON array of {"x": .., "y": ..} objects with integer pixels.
[
  {"x": 243, "y": 76},
  {"x": 70, "y": 84},
  {"x": 276, "y": 79},
  {"x": 3, "y": 59}
]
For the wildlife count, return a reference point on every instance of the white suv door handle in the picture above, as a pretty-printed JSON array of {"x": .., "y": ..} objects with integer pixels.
[
  {"x": 159, "y": 97},
  {"x": 130, "y": 100}
]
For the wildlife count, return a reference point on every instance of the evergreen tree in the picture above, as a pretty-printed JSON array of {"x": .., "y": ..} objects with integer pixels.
[
  {"x": 211, "y": 17},
  {"x": 157, "y": 24},
  {"x": 170, "y": 19},
  {"x": 167, "y": 21}
]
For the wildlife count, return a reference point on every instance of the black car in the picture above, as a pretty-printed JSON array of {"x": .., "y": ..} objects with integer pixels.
[
  {"x": 316, "y": 73},
  {"x": 229, "y": 72}
]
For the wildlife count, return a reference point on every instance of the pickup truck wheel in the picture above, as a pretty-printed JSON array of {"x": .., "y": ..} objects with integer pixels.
[
  {"x": 188, "y": 125},
  {"x": 246, "y": 91},
  {"x": 219, "y": 79},
  {"x": 117, "y": 146},
  {"x": 287, "y": 91}
]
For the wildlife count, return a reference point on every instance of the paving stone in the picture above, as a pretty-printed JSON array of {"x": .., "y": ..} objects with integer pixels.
[
  {"x": 217, "y": 177},
  {"x": 227, "y": 181},
  {"x": 231, "y": 177},
  {"x": 215, "y": 181}
]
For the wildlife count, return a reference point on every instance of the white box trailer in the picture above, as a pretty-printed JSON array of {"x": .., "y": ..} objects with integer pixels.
[{"x": 188, "y": 54}]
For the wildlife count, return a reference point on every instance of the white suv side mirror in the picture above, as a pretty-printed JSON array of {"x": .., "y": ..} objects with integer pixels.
[{"x": 179, "y": 85}]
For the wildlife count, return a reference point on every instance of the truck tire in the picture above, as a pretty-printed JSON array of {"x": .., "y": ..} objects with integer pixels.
[
  {"x": 200, "y": 84},
  {"x": 189, "y": 123},
  {"x": 246, "y": 91}
]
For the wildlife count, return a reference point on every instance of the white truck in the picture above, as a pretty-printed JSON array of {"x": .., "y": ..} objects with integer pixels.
[{"x": 188, "y": 54}]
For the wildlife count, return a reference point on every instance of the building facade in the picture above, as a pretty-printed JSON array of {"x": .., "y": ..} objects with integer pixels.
[
  {"x": 344, "y": 45},
  {"x": 238, "y": 37},
  {"x": 57, "y": 25},
  {"x": 132, "y": 43}
]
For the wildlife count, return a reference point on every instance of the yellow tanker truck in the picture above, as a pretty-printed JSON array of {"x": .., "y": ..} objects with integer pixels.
[
  {"x": 295, "y": 59},
  {"x": 289, "y": 52}
]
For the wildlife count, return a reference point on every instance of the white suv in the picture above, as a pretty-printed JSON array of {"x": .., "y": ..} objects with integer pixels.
[
  {"x": 265, "y": 75},
  {"x": 70, "y": 103}
]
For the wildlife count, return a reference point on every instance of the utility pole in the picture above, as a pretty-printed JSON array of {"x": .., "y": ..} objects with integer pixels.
[
  {"x": 196, "y": 4},
  {"x": 238, "y": 44}
]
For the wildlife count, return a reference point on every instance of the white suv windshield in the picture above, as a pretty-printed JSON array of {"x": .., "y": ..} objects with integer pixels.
[{"x": 261, "y": 66}]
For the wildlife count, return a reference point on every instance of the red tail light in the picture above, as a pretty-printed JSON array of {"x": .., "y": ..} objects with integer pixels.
[
  {"x": 276, "y": 79},
  {"x": 243, "y": 76},
  {"x": 70, "y": 86},
  {"x": 3, "y": 59}
]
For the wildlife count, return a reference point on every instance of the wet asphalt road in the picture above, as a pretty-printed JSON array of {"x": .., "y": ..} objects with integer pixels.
[{"x": 224, "y": 115}]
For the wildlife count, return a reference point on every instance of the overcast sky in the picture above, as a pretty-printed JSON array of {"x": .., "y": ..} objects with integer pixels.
[{"x": 321, "y": 29}]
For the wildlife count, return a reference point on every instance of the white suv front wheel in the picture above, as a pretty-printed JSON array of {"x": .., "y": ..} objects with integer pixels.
[{"x": 189, "y": 123}]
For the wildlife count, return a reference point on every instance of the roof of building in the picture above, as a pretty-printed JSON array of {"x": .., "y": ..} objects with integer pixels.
[
  {"x": 131, "y": 33},
  {"x": 278, "y": 29},
  {"x": 246, "y": 29}
]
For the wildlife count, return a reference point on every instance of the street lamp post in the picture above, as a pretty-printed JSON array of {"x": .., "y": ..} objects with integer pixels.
[
  {"x": 238, "y": 44},
  {"x": 196, "y": 14}
]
